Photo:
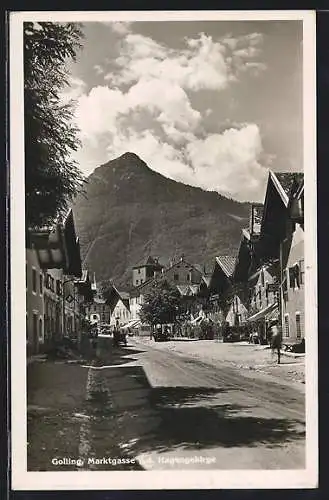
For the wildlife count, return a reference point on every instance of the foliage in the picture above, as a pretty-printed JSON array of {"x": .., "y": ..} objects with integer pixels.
[
  {"x": 52, "y": 177},
  {"x": 162, "y": 304}
]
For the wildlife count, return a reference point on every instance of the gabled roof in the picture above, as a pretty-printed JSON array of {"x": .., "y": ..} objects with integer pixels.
[
  {"x": 85, "y": 275},
  {"x": 206, "y": 279},
  {"x": 227, "y": 264},
  {"x": 284, "y": 182},
  {"x": 198, "y": 267},
  {"x": 58, "y": 246},
  {"x": 124, "y": 295},
  {"x": 187, "y": 290},
  {"x": 300, "y": 190},
  {"x": 149, "y": 261},
  {"x": 72, "y": 246},
  {"x": 288, "y": 179}
]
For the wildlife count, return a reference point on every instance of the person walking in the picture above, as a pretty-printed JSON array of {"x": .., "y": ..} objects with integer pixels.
[{"x": 276, "y": 339}]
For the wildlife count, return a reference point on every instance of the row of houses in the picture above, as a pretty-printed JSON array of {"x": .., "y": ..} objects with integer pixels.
[
  {"x": 57, "y": 289},
  {"x": 263, "y": 281}
]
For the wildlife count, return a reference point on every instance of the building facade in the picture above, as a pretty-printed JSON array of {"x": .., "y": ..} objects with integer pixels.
[
  {"x": 52, "y": 259},
  {"x": 145, "y": 271},
  {"x": 34, "y": 303},
  {"x": 99, "y": 310},
  {"x": 293, "y": 271}
]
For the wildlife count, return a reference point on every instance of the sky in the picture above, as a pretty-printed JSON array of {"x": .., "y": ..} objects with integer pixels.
[{"x": 212, "y": 104}]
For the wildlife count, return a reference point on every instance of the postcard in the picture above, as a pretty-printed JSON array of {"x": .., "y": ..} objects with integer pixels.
[{"x": 162, "y": 249}]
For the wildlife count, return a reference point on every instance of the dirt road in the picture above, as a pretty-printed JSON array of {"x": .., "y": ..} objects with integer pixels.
[{"x": 160, "y": 409}]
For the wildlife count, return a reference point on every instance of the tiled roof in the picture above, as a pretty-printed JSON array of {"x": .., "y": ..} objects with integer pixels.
[
  {"x": 98, "y": 300},
  {"x": 227, "y": 263},
  {"x": 149, "y": 261},
  {"x": 287, "y": 179},
  {"x": 124, "y": 295}
]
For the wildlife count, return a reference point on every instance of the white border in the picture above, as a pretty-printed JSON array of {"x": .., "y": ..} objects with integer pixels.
[{"x": 99, "y": 480}]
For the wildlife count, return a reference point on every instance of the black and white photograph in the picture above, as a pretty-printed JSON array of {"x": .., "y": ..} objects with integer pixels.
[{"x": 163, "y": 254}]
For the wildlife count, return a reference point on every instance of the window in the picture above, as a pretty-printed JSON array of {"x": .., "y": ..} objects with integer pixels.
[
  {"x": 262, "y": 277},
  {"x": 41, "y": 283},
  {"x": 58, "y": 287},
  {"x": 139, "y": 271},
  {"x": 52, "y": 284},
  {"x": 34, "y": 280},
  {"x": 301, "y": 271},
  {"x": 294, "y": 276},
  {"x": 137, "y": 281},
  {"x": 286, "y": 325},
  {"x": 176, "y": 277},
  {"x": 188, "y": 277},
  {"x": 266, "y": 291},
  {"x": 298, "y": 326}
]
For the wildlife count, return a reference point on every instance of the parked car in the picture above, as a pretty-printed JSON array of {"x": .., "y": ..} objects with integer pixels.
[{"x": 161, "y": 334}]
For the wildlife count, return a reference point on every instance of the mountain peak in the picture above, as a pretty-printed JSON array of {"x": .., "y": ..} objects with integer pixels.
[
  {"x": 128, "y": 156},
  {"x": 128, "y": 159}
]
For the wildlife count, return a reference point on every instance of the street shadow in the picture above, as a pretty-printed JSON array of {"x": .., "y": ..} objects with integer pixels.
[
  {"x": 219, "y": 426},
  {"x": 166, "y": 397},
  {"x": 109, "y": 355},
  {"x": 194, "y": 418}
]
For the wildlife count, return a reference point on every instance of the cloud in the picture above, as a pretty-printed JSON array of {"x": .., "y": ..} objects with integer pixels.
[
  {"x": 204, "y": 63},
  {"x": 229, "y": 162},
  {"x": 119, "y": 27},
  {"x": 74, "y": 89},
  {"x": 100, "y": 111},
  {"x": 99, "y": 70},
  {"x": 146, "y": 106}
]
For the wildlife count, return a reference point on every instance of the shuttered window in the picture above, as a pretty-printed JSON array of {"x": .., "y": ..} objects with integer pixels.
[
  {"x": 298, "y": 326},
  {"x": 301, "y": 271},
  {"x": 286, "y": 325}
]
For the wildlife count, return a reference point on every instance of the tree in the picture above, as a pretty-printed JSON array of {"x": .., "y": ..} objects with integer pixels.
[
  {"x": 52, "y": 177},
  {"x": 162, "y": 304}
]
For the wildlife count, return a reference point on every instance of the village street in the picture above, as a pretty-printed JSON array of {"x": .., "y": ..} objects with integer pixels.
[{"x": 160, "y": 406}]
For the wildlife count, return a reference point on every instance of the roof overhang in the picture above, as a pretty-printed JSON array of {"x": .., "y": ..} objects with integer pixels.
[
  {"x": 58, "y": 247},
  {"x": 263, "y": 313}
]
